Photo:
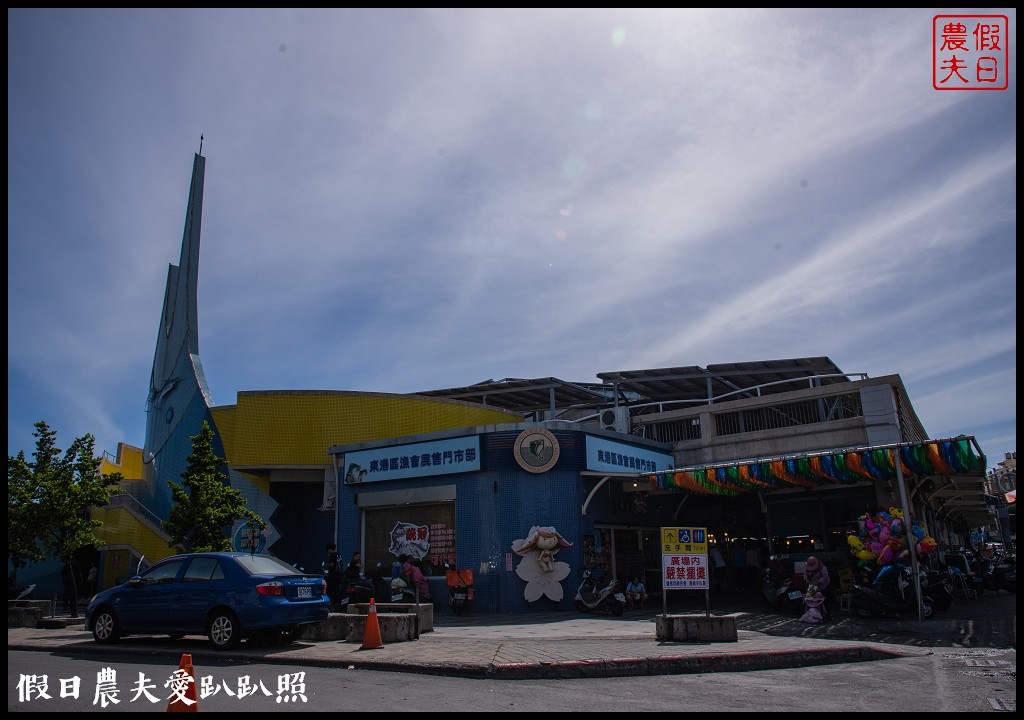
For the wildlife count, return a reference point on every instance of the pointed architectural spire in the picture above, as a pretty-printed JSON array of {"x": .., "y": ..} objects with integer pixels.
[{"x": 178, "y": 400}]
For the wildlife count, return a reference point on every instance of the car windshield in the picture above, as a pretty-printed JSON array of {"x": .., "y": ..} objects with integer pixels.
[{"x": 265, "y": 565}]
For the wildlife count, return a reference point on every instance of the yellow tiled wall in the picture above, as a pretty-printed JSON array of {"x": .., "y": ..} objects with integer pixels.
[{"x": 296, "y": 427}]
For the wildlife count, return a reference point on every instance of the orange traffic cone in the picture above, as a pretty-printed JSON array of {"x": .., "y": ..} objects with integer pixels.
[
  {"x": 371, "y": 636},
  {"x": 183, "y": 697}
]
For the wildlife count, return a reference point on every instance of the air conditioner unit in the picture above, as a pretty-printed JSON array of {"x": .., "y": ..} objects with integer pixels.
[{"x": 615, "y": 419}]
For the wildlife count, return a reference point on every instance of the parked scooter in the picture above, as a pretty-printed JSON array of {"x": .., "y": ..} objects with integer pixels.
[
  {"x": 890, "y": 595},
  {"x": 399, "y": 589},
  {"x": 964, "y": 579},
  {"x": 460, "y": 589},
  {"x": 358, "y": 592},
  {"x": 937, "y": 588},
  {"x": 996, "y": 576},
  {"x": 591, "y": 597},
  {"x": 381, "y": 584},
  {"x": 782, "y": 593}
]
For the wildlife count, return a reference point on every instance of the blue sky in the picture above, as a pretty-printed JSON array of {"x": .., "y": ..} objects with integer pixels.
[{"x": 407, "y": 200}]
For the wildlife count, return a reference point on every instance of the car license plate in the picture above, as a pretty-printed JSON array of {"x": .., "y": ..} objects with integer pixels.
[
  {"x": 795, "y": 594},
  {"x": 305, "y": 591},
  {"x": 460, "y": 596}
]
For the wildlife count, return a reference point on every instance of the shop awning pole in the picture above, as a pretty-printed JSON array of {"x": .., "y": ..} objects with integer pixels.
[
  {"x": 908, "y": 527},
  {"x": 593, "y": 492}
]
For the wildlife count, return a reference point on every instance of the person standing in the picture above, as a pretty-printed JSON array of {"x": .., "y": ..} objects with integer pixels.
[
  {"x": 333, "y": 575},
  {"x": 67, "y": 578},
  {"x": 739, "y": 565},
  {"x": 90, "y": 581},
  {"x": 753, "y": 566},
  {"x": 718, "y": 570}
]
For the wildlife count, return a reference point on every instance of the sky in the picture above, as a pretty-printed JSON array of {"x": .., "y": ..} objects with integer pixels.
[{"x": 409, "y": 200}]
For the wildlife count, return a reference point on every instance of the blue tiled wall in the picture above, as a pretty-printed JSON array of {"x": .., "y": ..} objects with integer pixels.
[{"x": 499, "y": 505}]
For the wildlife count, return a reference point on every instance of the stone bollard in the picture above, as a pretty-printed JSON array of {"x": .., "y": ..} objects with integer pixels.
[{"x": 696, "y": 628}]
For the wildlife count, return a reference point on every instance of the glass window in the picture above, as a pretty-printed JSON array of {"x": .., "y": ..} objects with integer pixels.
[
  {"x": 203, "y": 568},
  {"x": 163, "y": 573},
  {"x": 265, "y": 565}
]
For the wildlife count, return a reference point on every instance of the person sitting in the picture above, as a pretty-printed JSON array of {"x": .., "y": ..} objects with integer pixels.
[
  {"x": 416, "y": 579},
  {"x": 816, "y": 597},
  {"x": 636, "y": 592}
]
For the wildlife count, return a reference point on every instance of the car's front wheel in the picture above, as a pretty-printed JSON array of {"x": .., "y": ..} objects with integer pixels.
[
  {"x": 224, "y": 630},
  {"x": 105, "y": 627}
]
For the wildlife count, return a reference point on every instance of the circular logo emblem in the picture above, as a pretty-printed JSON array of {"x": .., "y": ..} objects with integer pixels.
[
  {"x": 249, "y": 539},
  {"x": 536, "y": 450}
]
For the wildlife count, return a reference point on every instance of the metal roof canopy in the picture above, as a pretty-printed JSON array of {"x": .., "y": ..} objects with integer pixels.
[
  {"x": 728, "y": 380},
  {"x": 683, "y": 384},
  {"x": 527, "y": 395}
]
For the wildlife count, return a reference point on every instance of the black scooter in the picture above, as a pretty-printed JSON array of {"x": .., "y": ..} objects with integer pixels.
[
  {"x": 937, "y": 588},
  {"x": 359, "y": 591},
  {"x": 996, "y": 576},
  {"x": 369, "y": 585},
  {"x": 890, "y": 595},
  {"x": 781, "y": 592}
]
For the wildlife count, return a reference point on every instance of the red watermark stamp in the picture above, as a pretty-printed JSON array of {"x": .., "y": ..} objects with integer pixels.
[{"x": 970, "y": 52}]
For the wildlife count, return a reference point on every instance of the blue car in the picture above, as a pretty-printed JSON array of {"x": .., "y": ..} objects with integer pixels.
[{"x": 225, "y": 595}]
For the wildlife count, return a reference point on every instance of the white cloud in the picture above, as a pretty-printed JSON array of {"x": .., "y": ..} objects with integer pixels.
[{"x": 400, "y": 200}]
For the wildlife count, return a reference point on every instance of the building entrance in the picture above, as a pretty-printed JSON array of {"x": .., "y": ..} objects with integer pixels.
[{"x": 637, "y": 551}]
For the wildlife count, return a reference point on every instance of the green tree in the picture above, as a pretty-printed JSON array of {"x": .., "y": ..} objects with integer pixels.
[
  {"x": 23, "y": 545},
  {"x": 52, "y": 499},
  {"x": 205, "y": 505}
]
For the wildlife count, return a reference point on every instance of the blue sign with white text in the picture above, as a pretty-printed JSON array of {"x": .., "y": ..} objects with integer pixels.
[
  {"x": 440, "y": 457},
  {"x": 610, "y": 456}
]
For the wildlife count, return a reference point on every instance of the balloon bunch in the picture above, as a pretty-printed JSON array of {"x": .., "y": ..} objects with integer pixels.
[{"x": 882, "y": 539}]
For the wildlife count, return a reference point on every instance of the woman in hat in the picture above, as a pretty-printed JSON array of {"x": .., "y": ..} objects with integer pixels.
[{"x": 815, "y": 600}]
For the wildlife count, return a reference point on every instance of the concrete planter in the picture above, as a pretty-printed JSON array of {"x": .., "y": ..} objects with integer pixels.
[
  {"x": 23, "y": 616},
  {"x": 424, "y": 612},
  {"x": 351, "y": 627}
]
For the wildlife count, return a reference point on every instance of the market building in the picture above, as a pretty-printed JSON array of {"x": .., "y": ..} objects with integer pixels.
[{"x": 543, "y": 472}]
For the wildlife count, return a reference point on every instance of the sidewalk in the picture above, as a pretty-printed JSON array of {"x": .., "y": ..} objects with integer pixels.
[{"x": 534, "y": 645}]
